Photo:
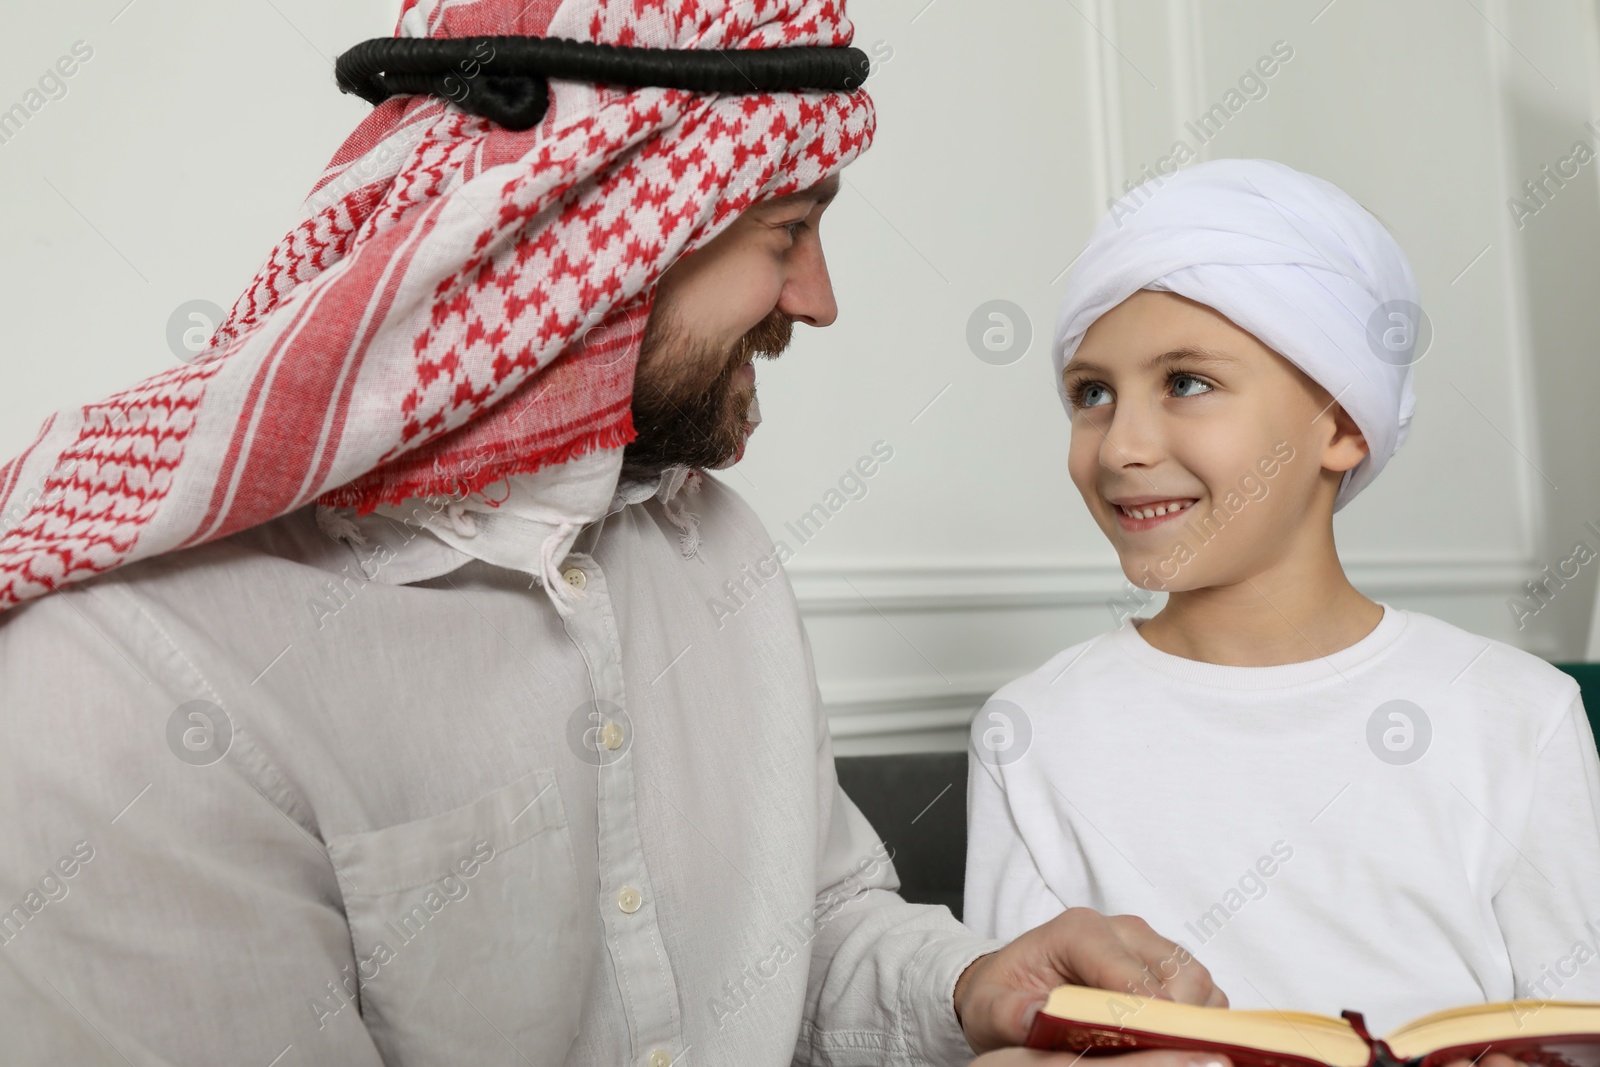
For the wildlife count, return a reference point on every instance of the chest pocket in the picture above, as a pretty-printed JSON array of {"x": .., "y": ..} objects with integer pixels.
[{"x": 470, "y": 929}]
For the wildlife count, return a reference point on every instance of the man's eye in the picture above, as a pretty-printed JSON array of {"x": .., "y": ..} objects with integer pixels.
[{"x": 795, "y": 229}]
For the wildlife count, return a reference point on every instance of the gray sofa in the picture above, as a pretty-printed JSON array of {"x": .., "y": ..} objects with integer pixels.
[{"x": 918, "y": 804}]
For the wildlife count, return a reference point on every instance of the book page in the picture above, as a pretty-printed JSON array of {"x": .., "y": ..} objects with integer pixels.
[
  {"x": 1316, "y": 1037},
  {"x": 1480, "y": 1024}
]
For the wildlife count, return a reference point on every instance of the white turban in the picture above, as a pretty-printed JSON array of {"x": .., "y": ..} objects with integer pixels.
[{"x": 1288, "y": 257}]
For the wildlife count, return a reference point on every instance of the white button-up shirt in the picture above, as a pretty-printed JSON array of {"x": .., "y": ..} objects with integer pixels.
[{"x": 287, "y": 799}]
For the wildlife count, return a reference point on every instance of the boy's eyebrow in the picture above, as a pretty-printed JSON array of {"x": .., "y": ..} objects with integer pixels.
[{"x": 1186, "y": 354}]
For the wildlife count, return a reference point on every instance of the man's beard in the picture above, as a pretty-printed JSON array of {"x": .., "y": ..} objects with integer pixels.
[{"x": 688, "y": 407}]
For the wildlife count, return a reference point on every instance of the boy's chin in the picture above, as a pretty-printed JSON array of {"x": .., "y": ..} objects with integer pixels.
[{"x": 1149, "y": 570}]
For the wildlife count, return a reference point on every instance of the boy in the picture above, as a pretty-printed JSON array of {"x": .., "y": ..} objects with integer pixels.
[{"x": 1332, "y": 802}]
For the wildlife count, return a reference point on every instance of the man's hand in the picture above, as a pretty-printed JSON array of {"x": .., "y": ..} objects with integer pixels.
[{"x": 998, "y": 994}]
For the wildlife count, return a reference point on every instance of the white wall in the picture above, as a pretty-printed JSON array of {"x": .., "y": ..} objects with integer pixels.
[
  {"x": 174, "y": 163},
  {"x": 182, "y": 149}
]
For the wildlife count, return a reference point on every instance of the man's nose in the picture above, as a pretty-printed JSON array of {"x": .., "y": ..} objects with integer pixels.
[{"x": 808, "y": 291}]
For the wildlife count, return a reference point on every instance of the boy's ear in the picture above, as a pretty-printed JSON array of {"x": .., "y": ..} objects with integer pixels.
[{"x": 1348, "y": 445}]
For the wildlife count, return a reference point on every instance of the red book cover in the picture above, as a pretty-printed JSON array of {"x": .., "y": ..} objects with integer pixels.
[{"x": 1059, "y": 1035}]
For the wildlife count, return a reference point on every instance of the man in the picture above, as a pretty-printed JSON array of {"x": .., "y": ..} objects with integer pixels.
[{"x": 387, "y": 723}]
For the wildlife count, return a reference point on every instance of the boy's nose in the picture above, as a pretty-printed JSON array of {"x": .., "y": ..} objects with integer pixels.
[{"x": 1132, "y": 440}]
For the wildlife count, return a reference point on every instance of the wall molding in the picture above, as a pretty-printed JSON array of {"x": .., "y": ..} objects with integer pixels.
[
  {"x": 865, "y": 587},
  {"x": 918, "y": 712},
  {"x": 1513, "y": 275}
]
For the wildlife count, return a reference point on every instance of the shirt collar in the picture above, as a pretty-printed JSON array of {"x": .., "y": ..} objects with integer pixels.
[{"x": 423, "y": 538}]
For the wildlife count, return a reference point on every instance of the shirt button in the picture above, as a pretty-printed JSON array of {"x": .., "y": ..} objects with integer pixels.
[
  {"x": 611, "y": 736},
  {"x": 575, "y": 577},
  {"x": 628, "y": 899},
  {"x": 659, "y": 1058}
]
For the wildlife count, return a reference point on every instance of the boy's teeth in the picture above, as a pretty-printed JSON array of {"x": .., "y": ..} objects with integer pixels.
[{"x": 1152, "y": 511}]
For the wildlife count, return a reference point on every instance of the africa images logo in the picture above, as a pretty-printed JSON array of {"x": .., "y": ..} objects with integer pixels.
[
  {"x": 52, "y": 86},
  {"x": 199, "y": 733}
]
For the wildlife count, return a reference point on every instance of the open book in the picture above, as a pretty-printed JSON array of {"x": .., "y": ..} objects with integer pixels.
[{"x": 1542, "y": 1032}]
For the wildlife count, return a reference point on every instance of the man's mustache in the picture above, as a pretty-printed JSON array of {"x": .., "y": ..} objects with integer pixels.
[{"x": 768, "y": 338}]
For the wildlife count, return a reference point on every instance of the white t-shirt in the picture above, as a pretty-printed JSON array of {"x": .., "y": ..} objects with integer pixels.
[{"x": 1315, "y": 844}]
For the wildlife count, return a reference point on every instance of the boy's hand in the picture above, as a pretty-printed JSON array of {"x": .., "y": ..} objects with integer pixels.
[{"x": 998, "y": 995}]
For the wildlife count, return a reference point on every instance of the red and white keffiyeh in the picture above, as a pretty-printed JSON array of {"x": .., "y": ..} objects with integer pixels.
[{"x": 458, "y": 302}]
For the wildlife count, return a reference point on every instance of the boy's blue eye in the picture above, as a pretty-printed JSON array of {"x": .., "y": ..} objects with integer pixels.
[
  {"x": 1089, "y": 395},
  {"x": 1094, "y": 394}
]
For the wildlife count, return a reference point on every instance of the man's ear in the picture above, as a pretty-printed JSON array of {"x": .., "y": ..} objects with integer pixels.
[{"x": 1348, "y": 446}]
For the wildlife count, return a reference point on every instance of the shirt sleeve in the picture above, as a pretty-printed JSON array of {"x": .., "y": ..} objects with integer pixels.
[
  {"x": 1005, "y": 895},
  {"x": 156, "y": 906},
  {"x": 1549, "y": 907},
  {"x": 881, "y": 986}
]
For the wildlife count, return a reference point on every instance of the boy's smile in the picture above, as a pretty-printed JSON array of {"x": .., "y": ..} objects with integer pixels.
[{"x": 1145, "y": 513}]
